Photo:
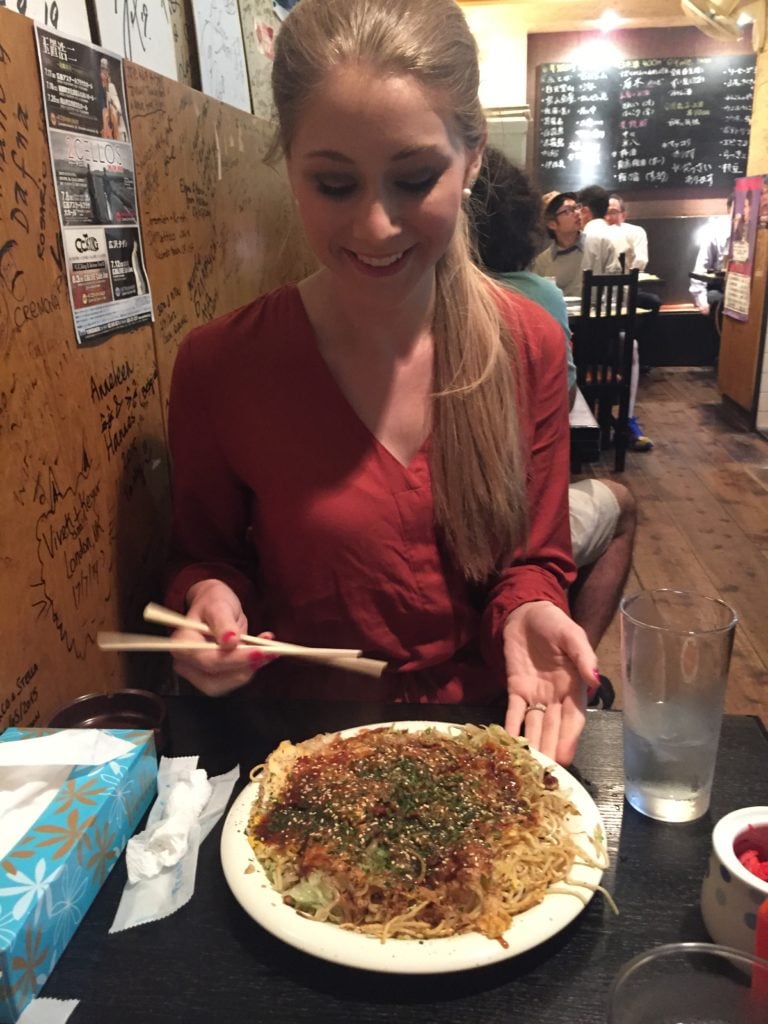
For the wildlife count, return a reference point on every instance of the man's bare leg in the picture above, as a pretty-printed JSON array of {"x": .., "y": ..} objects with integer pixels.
[{"x": 598, "y": 589}]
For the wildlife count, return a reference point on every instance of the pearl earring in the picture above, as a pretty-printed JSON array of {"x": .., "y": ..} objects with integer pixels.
[{"x": 466, "y": 192}]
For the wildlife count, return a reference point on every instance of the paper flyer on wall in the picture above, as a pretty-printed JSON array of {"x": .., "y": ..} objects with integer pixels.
[
  {"x": 70, "y": 16},
  {"x": 92, "y": 157},
  {"x": 744, "y": 218}
]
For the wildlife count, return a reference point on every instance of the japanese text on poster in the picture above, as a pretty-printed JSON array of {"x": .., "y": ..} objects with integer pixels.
[
  {"x": 92, "y": 157},
  {"x": 744, "y": 218}
]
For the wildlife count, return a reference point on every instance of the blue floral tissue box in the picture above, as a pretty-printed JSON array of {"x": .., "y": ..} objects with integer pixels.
[{"x": 49, "y": 879}]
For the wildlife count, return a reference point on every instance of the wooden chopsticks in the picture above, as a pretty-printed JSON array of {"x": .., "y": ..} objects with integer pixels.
[
  {"x": 336, "y": 657},
  {"x": 166, "y": 617},
  {"x": 142, "y": 642}
]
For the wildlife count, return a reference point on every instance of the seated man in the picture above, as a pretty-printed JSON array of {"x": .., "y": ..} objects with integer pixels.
[
  {"x": 505, "y": 213},
  {"x": 714, "y": 243},
  {"x": 636, "y": 257},
  {"x": 637, "y": 237},
  {"x": 598, "y": 232},
  {"x": 711, "y": 260},
  {"x": 594, "y": 207},
  {"x": 581, "y": 240},
  {"x": 572, "y": 252}
]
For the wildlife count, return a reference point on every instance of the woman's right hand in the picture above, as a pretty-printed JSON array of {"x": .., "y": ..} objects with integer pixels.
[{"x": 226, "y": 666}]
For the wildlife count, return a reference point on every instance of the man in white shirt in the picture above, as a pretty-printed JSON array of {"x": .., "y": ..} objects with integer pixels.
[
  {"x": 635, "y": 235},
  {"x": 636, "y": 257},
  {"x": 713, "y": 251},
  {"x": 601, "y": 237},
  {"x": 605, "y": 242}
]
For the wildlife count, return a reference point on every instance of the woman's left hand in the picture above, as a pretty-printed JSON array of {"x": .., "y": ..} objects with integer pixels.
[{"x": 550, "y": 665}]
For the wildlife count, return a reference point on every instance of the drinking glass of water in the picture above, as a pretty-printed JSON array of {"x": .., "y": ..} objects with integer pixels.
[
  {"x": 676, "y": 649},
  {"x": 690, "y": 983}
]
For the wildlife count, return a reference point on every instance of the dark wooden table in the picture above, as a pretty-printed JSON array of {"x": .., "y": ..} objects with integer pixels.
[
  {"x": 714, "y": 277},
  {"x": 210, "y": 962}
]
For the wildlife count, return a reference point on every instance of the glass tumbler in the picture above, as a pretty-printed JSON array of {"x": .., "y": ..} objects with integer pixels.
[
  {"x": 690, "y": 983},
  {"x": 676, "y": 650}
]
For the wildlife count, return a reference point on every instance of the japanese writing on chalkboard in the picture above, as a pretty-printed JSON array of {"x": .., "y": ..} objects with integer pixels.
[{"x": 645, "y": 123}]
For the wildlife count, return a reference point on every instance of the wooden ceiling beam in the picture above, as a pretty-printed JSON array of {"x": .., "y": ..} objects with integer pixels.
[{"x": 583, "y": 15}]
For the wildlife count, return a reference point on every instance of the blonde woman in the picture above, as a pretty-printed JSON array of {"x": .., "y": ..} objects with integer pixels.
[{"x": 377, "y": 457}]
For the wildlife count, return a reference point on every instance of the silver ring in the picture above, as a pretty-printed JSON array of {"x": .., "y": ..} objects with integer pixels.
[{"x": 536, "y": 707}]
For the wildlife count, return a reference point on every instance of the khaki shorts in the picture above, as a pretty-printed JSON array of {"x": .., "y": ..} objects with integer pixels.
[{"x": 594, "y": 514}]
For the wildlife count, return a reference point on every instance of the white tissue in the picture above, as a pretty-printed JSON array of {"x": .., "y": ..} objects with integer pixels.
[
  {"x": 164, "y": 857},
  {"x": 32, "y": 771},
  {"x": 166, "y": 842},
  {"x": 66, "y": 747},
  {"x": 48, "y": 1011}
]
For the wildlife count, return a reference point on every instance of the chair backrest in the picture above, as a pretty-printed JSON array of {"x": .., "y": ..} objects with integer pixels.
[
  {"x": 603, "y": 336},
  {"x": 613, "y": 295},
  {"x": 604, "y": 330}
]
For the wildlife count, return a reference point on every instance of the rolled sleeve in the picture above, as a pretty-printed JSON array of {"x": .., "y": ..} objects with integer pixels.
[{"x": 543, "y": 568}]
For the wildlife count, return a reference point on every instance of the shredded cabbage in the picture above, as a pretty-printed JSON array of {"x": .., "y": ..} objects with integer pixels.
[{"x": 311, "y": 893}]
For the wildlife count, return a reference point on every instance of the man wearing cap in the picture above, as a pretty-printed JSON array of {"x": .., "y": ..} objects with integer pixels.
[
  {"x": 582, "y": 240},
  {"x": 572, "y": 251}
]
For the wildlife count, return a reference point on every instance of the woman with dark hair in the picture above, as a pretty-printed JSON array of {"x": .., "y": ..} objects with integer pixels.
[{"x": 508, "y": 233}]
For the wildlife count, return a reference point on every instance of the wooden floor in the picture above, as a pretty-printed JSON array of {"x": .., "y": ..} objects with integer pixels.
[{"x": 702, "y": 494}]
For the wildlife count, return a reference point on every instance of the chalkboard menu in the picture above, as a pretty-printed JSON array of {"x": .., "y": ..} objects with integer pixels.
[{"x": 651, "y": 122}]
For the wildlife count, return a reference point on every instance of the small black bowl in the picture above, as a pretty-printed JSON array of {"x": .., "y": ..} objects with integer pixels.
[{"x": 121, "y": 709}]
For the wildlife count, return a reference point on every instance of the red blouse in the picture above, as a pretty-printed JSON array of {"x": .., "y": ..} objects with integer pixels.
[{"x": 281, "y": 491}]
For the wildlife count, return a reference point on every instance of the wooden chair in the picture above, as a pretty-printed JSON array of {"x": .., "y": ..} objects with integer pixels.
[{"x": 603, "y": 335}]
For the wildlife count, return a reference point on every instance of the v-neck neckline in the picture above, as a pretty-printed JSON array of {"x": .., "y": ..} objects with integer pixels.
[{"x": 419, "y": 458}]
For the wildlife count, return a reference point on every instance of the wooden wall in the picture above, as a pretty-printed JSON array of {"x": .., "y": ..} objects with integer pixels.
[
  {"x": 84, "y": 499},
  {"x": 742, "y": 342}
]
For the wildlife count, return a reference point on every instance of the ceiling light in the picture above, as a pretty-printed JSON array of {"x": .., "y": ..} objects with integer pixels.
[
  {"x": 596, "y": 53},
  {"x": 608, "y": 21}
]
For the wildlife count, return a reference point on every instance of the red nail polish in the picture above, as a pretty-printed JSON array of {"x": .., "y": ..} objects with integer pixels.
[
  {"x": 592, "y": 690},
  {"x": 229, "y": 635},
  {"x": 259, "y": 658}
]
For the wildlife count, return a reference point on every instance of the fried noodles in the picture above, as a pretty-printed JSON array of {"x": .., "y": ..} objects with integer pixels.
[{"x": 412, "y": 835}]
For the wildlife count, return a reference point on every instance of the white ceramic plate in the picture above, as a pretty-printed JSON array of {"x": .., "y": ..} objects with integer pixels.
[{"x": 253, "y": 891}]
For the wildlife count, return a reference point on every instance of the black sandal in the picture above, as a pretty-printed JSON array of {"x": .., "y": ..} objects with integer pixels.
[{"x": 604, "y": 696}]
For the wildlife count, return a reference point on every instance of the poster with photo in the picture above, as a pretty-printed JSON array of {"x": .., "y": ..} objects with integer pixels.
[
  {"x": 92, "y": 158},
  {"x": 95, "y": 180},
  {"x": 744, "y": 217}
]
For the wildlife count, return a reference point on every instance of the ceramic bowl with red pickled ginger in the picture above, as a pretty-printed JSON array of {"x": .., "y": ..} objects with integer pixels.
[{"x": 736, "y": 882}]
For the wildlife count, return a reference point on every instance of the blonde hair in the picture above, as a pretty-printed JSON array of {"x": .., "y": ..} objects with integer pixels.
[{"x": 477, "y": 465}]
